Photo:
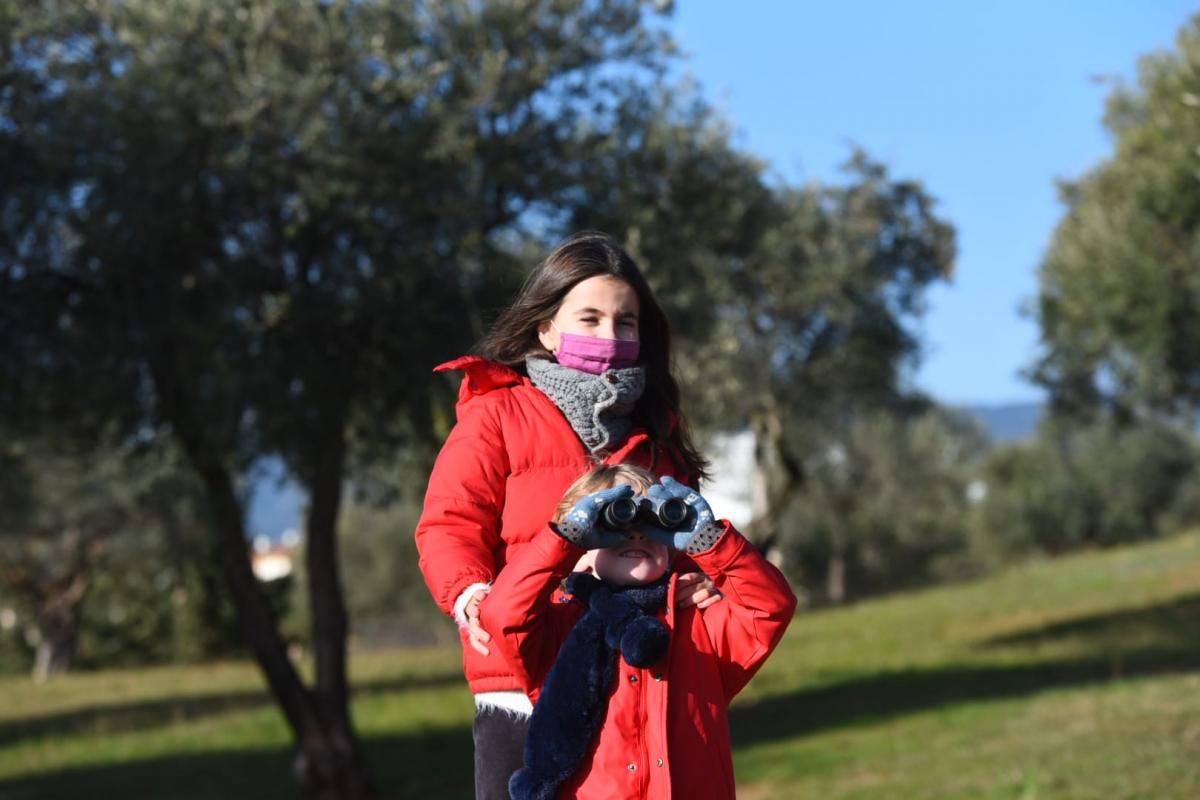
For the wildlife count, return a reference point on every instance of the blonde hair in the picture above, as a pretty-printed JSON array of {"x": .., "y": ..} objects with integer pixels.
[{"x": 605, "y": 476}]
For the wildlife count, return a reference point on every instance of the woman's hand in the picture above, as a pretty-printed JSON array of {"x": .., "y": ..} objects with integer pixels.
[
  {"x": 696, "y": 589},
  {"x": 477, "y": 636}
]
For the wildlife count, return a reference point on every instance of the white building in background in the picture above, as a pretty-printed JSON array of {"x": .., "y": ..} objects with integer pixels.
[
  {"x": 734, "y": 491},
  {"x": 273, "y": 560}
]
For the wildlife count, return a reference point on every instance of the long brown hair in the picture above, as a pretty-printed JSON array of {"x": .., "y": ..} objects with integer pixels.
[
  {"x": 513, "y": 337},
  {"x": 604, "y": 476}
]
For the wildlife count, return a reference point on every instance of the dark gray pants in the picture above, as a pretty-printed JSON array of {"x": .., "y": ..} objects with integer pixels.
[{"x": 499, "y": 750}]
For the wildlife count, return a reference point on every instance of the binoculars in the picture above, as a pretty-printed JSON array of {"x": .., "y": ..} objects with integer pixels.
[{"x": 625, "y": 512}]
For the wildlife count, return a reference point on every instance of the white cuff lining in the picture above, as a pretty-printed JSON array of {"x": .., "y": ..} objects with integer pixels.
[{"x": 460, "y": 605}]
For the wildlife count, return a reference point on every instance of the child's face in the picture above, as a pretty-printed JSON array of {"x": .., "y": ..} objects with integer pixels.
[{"x": 637, "y": 560}]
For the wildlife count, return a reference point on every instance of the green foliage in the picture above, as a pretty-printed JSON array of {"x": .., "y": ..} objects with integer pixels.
[
  {"x": 788, "y": 301},
  {"x": 1077, "y": 486},
  {"x": 811, "y": 346},
  {"x": 127, "y": 619},
  {"x": 1119, "y": 303},
  {"x": 251, "y": 228},
  {"x": 827, "y": 298},
  {"x": 15, "y": 653},
  {"x": 792, "y": 307},
  {"x": 386, "y": 596},
  {"x": 386, "y": 599},
  {"x": 665, "y": 179},
  {"x": 882, "y": 506},
  {"x": 266, "y": 209},
  {"x": 105, "y": 559},
  {"x": 149, "y": 604},
  {"x": 71, "y": 507},
  {"x": 1184, "y": 511}
]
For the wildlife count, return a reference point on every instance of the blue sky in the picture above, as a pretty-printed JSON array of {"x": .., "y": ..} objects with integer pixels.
[{"x": 986, "y": 103}]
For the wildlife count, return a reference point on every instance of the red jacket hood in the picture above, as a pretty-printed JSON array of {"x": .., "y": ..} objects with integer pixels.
[{"x": 480, "y": 376}]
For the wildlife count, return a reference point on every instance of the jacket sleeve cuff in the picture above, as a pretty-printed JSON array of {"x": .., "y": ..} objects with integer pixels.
[
  {"x": 460, "y": 605},
  {"x": 723, "y": 552}
]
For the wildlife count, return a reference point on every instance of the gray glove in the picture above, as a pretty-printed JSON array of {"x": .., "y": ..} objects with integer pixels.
[
  {"x": 700, "y": 529},
  {"x": 582, "y": 526}
]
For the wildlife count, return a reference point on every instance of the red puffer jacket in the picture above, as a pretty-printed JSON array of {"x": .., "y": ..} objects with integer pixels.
[
  {"x": 666, "y": 729},
  {"x": 495, "y": 485}
]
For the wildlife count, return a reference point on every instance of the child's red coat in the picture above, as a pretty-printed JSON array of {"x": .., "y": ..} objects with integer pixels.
[{"x": 666, "y": 731}]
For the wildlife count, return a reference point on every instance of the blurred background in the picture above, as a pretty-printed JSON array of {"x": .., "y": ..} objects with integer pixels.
[{"x": 933, "y": 272}]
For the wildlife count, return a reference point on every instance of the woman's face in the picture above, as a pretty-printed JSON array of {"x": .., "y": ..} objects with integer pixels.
[{"x": 603, "y": 306}]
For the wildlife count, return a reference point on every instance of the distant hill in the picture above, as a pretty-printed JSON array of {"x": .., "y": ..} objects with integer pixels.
[{"x": 1009, "y": 422}]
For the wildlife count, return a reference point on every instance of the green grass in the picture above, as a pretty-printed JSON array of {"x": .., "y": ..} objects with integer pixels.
[{"x": 1075, "y": 678}]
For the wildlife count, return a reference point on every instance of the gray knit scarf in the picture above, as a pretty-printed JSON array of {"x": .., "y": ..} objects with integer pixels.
[{"x": 597, "y": 406}]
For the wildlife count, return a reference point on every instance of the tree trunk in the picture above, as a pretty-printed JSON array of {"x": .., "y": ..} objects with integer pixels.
[
  {"x": 835, "y": 579},
  {"x": 776, "y": 477},
  {"x": 343, "y": 760},
  {"x": 55, "y": 649},
  {"x": 322, "y": 765},
  {"x": 840, "y": 545},
  {"x": 57, "y": 616}
]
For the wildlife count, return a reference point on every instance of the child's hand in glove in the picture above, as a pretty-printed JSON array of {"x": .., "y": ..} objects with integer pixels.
[
  {"x": 700, "y": 529},
  {"x": 582, "y": 526}
]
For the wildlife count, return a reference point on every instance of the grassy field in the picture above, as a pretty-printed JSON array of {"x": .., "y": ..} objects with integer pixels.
[{"x": 1076, "y": 678}]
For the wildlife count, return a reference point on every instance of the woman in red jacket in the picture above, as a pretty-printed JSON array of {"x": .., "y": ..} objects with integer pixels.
[
  {"x": 631, "y": 694},
  {"x": 574, "y": 373}
]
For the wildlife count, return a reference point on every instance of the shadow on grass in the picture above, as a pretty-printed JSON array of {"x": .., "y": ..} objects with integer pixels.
[
  {"x": 1168, "y": 624},
  {"x": 428, "y": 764},
  {"x": 118, "y": 717},
  {"x": 437, "y": 763},
  {"x": 1127, "y": 644}
]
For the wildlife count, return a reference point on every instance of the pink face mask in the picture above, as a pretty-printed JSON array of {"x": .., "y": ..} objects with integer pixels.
[{"x": 594, "y": 354}]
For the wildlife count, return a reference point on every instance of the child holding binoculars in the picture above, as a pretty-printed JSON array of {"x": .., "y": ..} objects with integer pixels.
[{"x": 630, "y": 693}]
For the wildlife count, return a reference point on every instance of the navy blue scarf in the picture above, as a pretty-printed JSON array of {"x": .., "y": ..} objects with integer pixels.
[{"x": 574, "y": 699}]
